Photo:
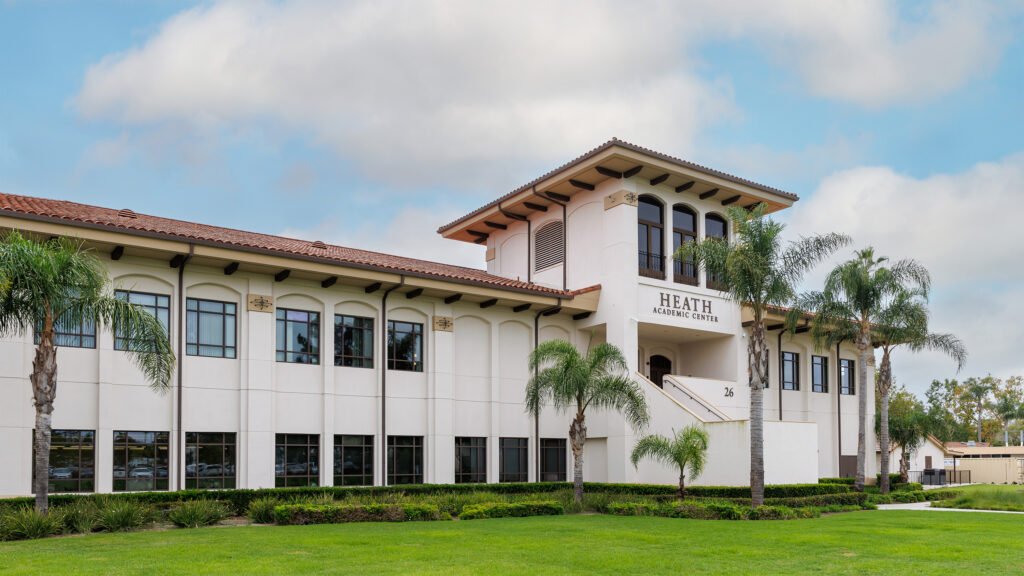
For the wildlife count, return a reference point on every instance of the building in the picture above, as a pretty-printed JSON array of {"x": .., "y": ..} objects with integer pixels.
[
  {"x": 988, "y": 464},
  {"x": 930, "y": 455},
  {"x": 422, "y": 377}
]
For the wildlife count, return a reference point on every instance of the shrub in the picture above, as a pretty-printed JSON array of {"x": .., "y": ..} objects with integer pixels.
[
  {"x": 517, "y": 509},
  {"x": 117, "y": 515},
  {"x": 907, "y": 486},
  {"x": 289, "y": 514},
  {"x": 894, "y": 478},
  {"x": 197, "y": 513},
  {"x": 849, "y": 481},
  {"x": 633, "y": 508},
  {"x": 24, "y": 523},
  {"x": 80, "y": 517},
  {"x": 261, "y": 510}
]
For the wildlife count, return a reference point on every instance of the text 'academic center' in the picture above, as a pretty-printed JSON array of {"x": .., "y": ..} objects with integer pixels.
[{"x": 303, "y": 363}]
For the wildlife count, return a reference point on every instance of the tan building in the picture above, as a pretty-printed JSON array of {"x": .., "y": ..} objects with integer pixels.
[{"x": 990, "y": 464}]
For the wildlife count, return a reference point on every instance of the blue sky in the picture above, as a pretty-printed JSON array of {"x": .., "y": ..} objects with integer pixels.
[{"x": 370, "y": 124}]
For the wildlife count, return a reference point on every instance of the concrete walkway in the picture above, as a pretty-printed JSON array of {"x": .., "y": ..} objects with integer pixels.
[{"x": 927, "y": 506}]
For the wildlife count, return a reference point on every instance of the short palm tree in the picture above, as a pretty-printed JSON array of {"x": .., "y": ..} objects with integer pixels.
[
  {"x": 904, "y": 323},
  {"x": 852, "y": 302},
  {"x": 44, "y": 285},
  {"x": 687, "y": 451},
  {"x": 568, "y": 379},
  {"x": 758, "y": 270},
  {"x": 908, "y": 427}
]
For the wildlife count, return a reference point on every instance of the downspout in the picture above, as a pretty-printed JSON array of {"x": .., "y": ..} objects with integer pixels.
[
  {"x": 181, "y": 337},
  {"x": 384, "y": 381},
  {"x": 839, "y": 407},
  {"x": 536, "y": 417}
]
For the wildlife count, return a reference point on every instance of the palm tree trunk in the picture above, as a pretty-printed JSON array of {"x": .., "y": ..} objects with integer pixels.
[
  {"x": 884, "y": 384},
  {"x": 757, "y": 356},
  {"x": 578, "y": 437},
  {"x": 863, "y": 345},
  {"x": 44, "y": 390},
  {"x": 682, "y": 485}
]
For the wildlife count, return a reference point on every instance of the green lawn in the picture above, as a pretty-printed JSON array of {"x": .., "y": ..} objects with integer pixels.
[
  {"x": 1008, "y": 497},
  {"x": 855, "y": 543}
]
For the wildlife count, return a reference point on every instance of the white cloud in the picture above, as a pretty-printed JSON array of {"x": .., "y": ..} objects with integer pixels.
[
  {"x": 427, "y": 92},
  {"x": 963, "y": 228}
]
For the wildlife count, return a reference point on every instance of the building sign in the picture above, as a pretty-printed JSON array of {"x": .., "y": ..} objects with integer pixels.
[
  {"x": 260, "y": 303},
  {"x": 683, "y": 306}
]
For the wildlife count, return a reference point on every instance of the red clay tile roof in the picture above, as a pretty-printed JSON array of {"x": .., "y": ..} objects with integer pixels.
[
  {"x": 129, "y": 222},
  {"x": 627, "y": 146}
]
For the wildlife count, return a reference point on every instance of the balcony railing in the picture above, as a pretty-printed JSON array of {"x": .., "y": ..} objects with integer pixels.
[
  {"x": 684, "y": 272},
  {"x": 651, "y": 265}
]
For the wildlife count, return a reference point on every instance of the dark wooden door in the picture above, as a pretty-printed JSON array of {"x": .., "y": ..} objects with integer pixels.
[{"x": 660, "y": 367}]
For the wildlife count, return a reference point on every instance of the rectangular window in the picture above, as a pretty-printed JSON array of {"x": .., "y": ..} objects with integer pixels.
[
  {"x": 552, "y": 460},
  {"x": 297, "y": 460},
  {"x": 819, "y": 374},
  {"x": 405, "y": 460},
  {"x": 210, "y": 328},
  {"x": 72, "y": 461},
  {"x": 470, "y": 460},
  {"x": 141, "y": 460},
  {"x": 514, "y": 465},
  {"x": 298, "y": 336},
  {"x": 846, "y": 377},
  {"x": 790, "y": 371},
  {"x": 405, "y": 346},
  {"x": 353, "y": 341},
  {"x": 353, "y": 460},
  {"x": 209, "y": 460},
  {"x": 158, "y": 305},
  {"x": 69, "y": 333}
]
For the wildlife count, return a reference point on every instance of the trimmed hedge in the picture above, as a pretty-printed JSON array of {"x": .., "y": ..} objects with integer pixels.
[
  {"x": 909, "y": 497},
  {"x": 295, "y": 514},
  {"x": 240, "y": 499},
  {"x": 816, "y": 501},
  {"x": 710, "y": 511},
  {"x": 894, "y": 478},
  {"x": 849, "y": 481},
  {"x": 517, "y": 510}
]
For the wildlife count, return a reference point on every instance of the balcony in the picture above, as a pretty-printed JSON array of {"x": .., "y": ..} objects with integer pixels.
[
  {"x": 684, "y": 272},
  {"x": 651, "y": 265}
]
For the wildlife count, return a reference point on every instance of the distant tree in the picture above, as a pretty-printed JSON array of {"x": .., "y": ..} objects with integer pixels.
[
  {"x": 979, "y": 390},
  {"x": 686, "y": 451},
  {"x": 908, "y": 427},
  {"x": 1009, "y": 404},
  {"x": 570, "y": 380}
]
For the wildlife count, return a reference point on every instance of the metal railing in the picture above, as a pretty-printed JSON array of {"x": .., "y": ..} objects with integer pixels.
[
  {"x": 651, "y": 264},
  {"x": 939, "y": 477},
  {"x": 684, "y": 271}
]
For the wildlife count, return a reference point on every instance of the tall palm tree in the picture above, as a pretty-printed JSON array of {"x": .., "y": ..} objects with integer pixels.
[
  {"x": 759, "y": 270},
  {"x": 44, "y": 285},
  {"x": 687, "y": 451},
  {"x": 848, "y": 308},
  {"x": 904, "y": 322},
  {"x": 978, "y": 390},
  {"x": 569, "y": 380}
]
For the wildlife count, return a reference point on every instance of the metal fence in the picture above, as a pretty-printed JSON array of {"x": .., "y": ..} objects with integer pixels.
[{"x": 940, "y": 477}]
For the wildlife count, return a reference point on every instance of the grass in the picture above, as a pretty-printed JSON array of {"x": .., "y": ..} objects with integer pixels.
[
  {"x": 855, "y": 543},
  {"x": 988, "y": 497}
]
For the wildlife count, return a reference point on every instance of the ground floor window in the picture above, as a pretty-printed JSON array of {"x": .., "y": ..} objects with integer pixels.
[
  {"x": 141, "y": 460},
  {"x": 552, "y": 460},
  {"x": 72, "y": 461},
  {"x": 514, "y": 464},
  {"x": 297, "y": 460},
  {"x": 405, "y": 460},
  {"x": 210, "y": 460},
  {"x": 470, "y": 459},
  {"x": 353, "y": 460}
]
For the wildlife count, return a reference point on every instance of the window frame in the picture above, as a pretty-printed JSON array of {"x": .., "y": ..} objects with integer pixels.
[
  {"x": 282, "y": 476},
  {"x": 847, "y": 371},
  {"x": 822, "y": 363},
  {"x": 651, "y": 262},
  {"x": 195, "y": 315},
  {"x": 363, "y": 361},
  {"x": 793, "y": 359},
  {"x": 709, "y": 278},
  {"x": 60, "y": 332},
  {"x": 228, "y": 444},
  {"x": 82, "y": 484},
  {"x": 160, "y": 440},
  {"x": 403, "y": 365},
  {"x": 365, "y": 446},
  {"x": 395, "y": 478},
  {"x": 520, "y": 452},
  {"x": 475, "y": 449},
  {"x": 559, "y": 446},
  {"x": 312, "y": 324},
  {"x": 679, "y": 268},
  {"x": 122, "y": 343}
]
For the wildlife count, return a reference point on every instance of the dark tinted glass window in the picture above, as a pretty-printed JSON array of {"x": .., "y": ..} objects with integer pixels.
[
  {"x": 72, "y": 461},
  {"x": 649, "y": 210},
  {"x": 470, "y": 460},
  {"x": 714, "y": 227},
  {"x": 210, "y": 460},
  {"x": 69, "y": 332},
  {"x": 297, "y": 460},
  {"x": 846, "y": 377},
  {"x": 405, "y": 346},
  {"x": 552, "y": 460},
  {"x": 353, "y": 341},
  {"x": 790, "y": 371},
  {"x": 210, "y": 328},
  {"x": 158, "y": 305},
  {"x": 141, "y": 460},
  {"x": 514, "y": 466},
  {"x": 353, "y": 460},
  {"x": 819, "y": 374},
  {"x": 298, "y": 336},
  {"x": 405, "y": 460}
]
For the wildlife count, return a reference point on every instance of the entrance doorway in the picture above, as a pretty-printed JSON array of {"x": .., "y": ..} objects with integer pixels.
[{"x": 660, "y": 367}]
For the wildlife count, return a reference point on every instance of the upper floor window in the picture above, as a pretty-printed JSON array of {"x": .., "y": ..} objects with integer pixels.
[
  {"x": 549, "y": 245},
  {"x": 790, "y": 371},
  {"x": 298, "y": 336},
  {"x": 819, "y": 373},
  {"x": 650, "y": 237},
  {"x": 715, "y": 227},
  {"x": 353, "y": 341},
  {"x": 158, "y": 305},
  {"x": 71, "y": 332},
  {"x": 846, "y": 377},
  {"x": 405, "y": 346},
  {"x": 684, "y": 231},
  {"x": 210, "y": 328}
]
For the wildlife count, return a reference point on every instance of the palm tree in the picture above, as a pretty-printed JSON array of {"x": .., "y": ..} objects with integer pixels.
[
  {"x": 978, "y": 390},
  {"x": 57, "y": 282},
  {"x": 1008, "y": 408},
  {"x": 848, "y": 308},
  {"x": 904, "y": 322},
  {"x": 759, "y": 271},
  {"x": 568, "y": 379},
  {"x": 687, "y": 451},
  {"x": 907, "y": 427}
]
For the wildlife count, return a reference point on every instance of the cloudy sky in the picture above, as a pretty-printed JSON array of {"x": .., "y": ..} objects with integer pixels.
[{"x": 370, "y": 123}]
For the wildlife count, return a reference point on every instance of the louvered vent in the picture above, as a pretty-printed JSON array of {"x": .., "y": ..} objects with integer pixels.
[
  {"x": 318, "y": 245},
  {"x": 126, "y": 213},
  {"x": 549, "y": 246}
]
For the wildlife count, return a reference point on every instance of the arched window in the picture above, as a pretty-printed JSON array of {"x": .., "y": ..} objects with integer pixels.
[
  {"x": 549, "y": 246},
  {"x": 650, "y": 237},
  {"x": 684, "y": 230},
  {"x": 715, "y": 227}
]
